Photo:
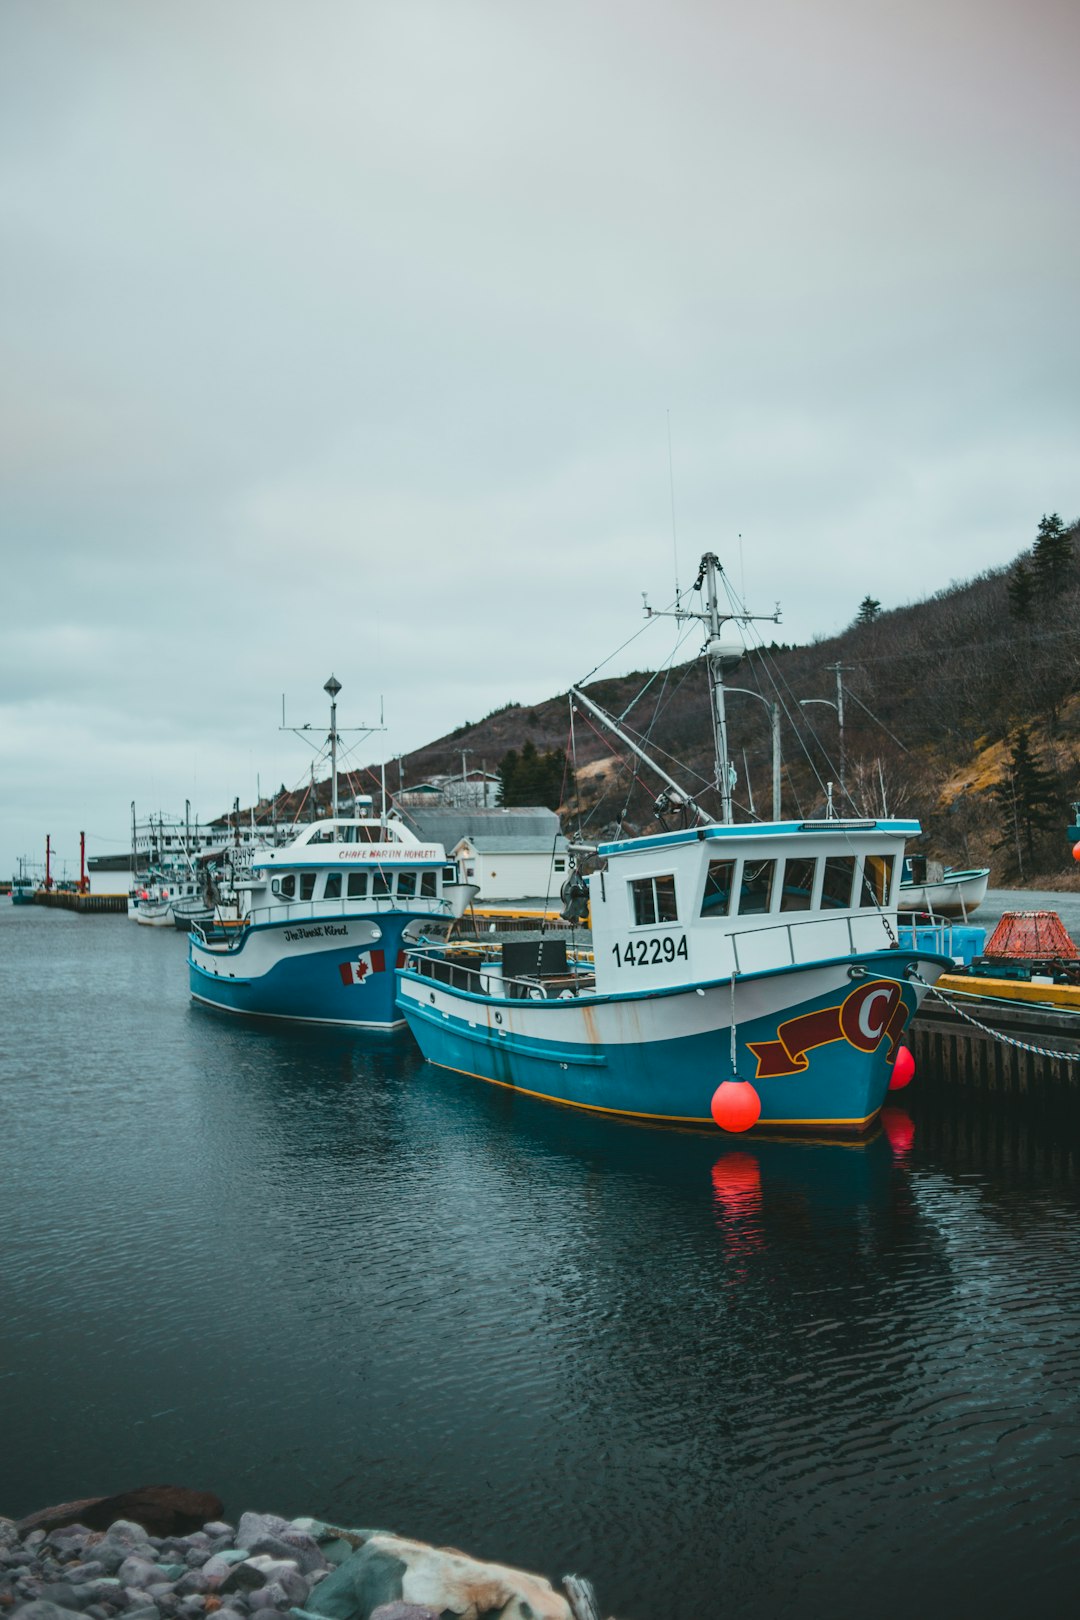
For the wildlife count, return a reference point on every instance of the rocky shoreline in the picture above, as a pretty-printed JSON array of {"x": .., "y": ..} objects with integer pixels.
[{"x": 168, "y": 1559}]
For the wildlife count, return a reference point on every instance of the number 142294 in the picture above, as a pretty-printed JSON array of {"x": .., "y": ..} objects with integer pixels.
[{"x": 647, "y": 952}]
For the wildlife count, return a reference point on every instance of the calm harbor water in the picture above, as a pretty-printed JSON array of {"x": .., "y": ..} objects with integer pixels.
[{"x": 304, "y": 1270}]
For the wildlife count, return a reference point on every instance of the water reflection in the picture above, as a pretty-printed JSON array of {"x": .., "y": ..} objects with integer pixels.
[{"x": 302, "y": 1268}]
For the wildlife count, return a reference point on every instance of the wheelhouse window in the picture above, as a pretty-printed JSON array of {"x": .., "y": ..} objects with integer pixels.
[
  {"x": 429, "y": 885},
  {"x": 755, "y": 892},
  {"x": 716, "y": 901},
  {"x": 332, "y": 891},
  {"x": 876, "y": 880},
  {"x": 380, "y": 882},
  {"x": 406, "y": 885},
  {"x": 798, "y": 889},
  {"x": 449, "y": 874},
  {"x": 286, "y": 886},
  {"x": 652, "y": 900},
  {"x": 357, "y": 885},
  {"x": 836, "y": 882},
  {"x": 307, "y": 885}
]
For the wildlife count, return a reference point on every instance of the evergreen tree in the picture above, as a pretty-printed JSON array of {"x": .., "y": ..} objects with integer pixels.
[
  {"x": 506, "y": 770},
  {"x": 1028, "y": 798},
  {"x": 534, "y": 778},
  {"x": 1052, "y": 553},
  {"x": 1021, "y": 592},
  {"x": 869, "y": 609}
]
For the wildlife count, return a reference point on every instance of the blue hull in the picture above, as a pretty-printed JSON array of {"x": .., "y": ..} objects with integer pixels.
[
  {"x": 313, "y": 987},
  {"x": 586, "y": 1063}
]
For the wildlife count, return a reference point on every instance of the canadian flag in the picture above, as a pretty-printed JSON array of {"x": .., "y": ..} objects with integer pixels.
[{"x": 367, "y": 963}]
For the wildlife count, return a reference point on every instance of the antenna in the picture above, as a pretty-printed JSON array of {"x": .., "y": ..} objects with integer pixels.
[{"x": 671, "y": 486}]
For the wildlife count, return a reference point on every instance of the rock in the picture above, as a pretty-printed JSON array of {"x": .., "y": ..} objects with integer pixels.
[
  {"x": 391, "y": 1569},
  {"x": 125, "y": 1533},
  {"x": 218, "y": 1565},
  {"x": 41, "y": 1609},
  {"x": 197, "y": 1557},
  {"x": 92, "y": 1570},
  {"x": 195, "y": 1580},
  {"x": 218, "y": 1527},
  {"x": 139, "y": 1572},
  {"x": 63, "y": 1594},
  {"x": 293, "y": 1544},
  {"x": 164, "y": 1510},
  {"x": 143, "y": 1611},
  {"x": 242, "y": 1578},
  {"x": 254, "y": 1526},
  {"x": 404, "y": 1611}
]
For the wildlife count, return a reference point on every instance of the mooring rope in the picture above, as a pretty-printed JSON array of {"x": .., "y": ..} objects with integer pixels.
[{"x": 997, "y": 1034}]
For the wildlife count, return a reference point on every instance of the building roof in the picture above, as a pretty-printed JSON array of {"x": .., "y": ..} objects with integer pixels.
[{"x": 449, "y": 824}]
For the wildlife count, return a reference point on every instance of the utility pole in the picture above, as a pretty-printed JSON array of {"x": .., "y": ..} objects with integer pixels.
[{"x": 839, "y": 670}]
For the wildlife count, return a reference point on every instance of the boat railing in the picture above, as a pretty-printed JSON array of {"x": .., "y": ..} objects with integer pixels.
[
  {"x": 788, "y": 930},
  {"x": 456, "y": 975},
  {"x": 303, "y": 911}
]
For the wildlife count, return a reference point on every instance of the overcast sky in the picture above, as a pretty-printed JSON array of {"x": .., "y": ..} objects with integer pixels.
[{"x": 341, "y": 335}]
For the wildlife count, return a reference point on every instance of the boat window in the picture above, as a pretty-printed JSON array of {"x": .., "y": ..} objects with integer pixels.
[
  {"x": 560, "y": 863},
  {"x": 836, "y": 883},
  {"x": 798, "y": 887},
  {"x": 755, "y": 895},
  {"x": 449, "y": 874},
  {"x": 406, "y": 885},
  {"x": 428, "y": 885},
  {"x": 876, "y": 880},
  {"x": 716, "y": 901},
  {"x": 288, "y": 886},
  {"x": 380, "y": 882},
  {"x": 332, "y": 890},
  {"x": 358, "y": 885},
  {"x": 307, "y": 885},
  {"x": 653, "y": 900}
]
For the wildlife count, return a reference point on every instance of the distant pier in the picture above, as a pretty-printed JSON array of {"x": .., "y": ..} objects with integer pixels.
[{"x": 65, "y": 900}]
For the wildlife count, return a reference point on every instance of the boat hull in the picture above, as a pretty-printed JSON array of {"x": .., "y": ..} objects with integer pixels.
[
  {"x": 334, "y": 971},
  {"x": 958, "y": 894},
  {"x": 817, "y": 1042}
]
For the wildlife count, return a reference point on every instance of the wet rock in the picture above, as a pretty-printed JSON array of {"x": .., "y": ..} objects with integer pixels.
[
  {"x": 254, "y": 1526},
  {"x": 218, "y": 1527},
  {"x": 194, "y": 1581},
  {"x": 242, "y": 1578},
  {"x": 404, "y": 1611},
  {"x": 41, "y": 1609},
  {"x": 137, "y": 1571},
  {"x": 163, "y": 1510},
  {"x": 393, "y": 1569},
  {"x": 197, "y": 1557},
  {"x": 143, "y": 1611}
]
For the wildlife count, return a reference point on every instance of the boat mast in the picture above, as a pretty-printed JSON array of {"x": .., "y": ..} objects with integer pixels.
[
  {"x": 723, "y": 654},
  {"x": 333, "y": 686}
]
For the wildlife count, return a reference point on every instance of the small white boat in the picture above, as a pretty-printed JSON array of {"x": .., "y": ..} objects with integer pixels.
[{"x": 928, "y": 888}]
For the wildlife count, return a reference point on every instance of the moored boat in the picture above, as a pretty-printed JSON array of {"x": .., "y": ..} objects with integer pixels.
[
  {"x": 928, "y": 889},
  {"x": 742, "y": 973},
  {"x": 23, "y": 886},
  {"x": 324, "y": 919}
]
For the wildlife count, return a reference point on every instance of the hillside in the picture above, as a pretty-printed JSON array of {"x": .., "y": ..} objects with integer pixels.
[{"x": 962, "y": 710}]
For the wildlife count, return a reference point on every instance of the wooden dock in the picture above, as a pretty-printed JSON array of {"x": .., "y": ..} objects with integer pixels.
[
  {"x": 84, "y": 904},
  {"x": 969, "y": 1059}
]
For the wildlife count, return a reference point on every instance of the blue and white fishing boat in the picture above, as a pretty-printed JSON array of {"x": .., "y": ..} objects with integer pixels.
[
  {"x": 23, "y": 887},
  {"x": 743, "y": 974},
  {"x": 324, "y": 920}
]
